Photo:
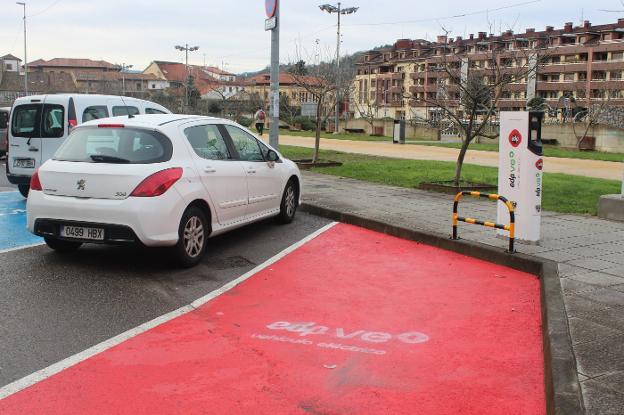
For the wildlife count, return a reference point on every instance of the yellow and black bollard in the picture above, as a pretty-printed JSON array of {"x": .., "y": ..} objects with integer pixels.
[{"x": 510, "y": 228}]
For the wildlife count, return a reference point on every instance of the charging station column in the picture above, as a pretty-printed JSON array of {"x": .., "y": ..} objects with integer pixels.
[{"x": 520, "y": 174}]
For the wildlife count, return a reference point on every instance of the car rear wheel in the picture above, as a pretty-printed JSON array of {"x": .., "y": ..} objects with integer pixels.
[
  {"x": 24, "y": 189},
  {"x": 288, "y": 207},
  {"x": 193, "y": 233},
  {"x": 62, "y": 246}
]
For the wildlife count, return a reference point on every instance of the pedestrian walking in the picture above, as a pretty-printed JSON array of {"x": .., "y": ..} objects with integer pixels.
[{"x": 259, "y": 118}]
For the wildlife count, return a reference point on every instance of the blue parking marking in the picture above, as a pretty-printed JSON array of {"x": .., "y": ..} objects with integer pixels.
[{"x": 13, "y": 232}]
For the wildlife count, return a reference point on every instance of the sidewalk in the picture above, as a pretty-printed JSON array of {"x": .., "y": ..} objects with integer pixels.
[
  {"x": 589, "y": 168},
  {"x": 590, "y": 253}
]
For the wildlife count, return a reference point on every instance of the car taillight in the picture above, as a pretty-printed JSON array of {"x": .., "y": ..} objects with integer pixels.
[
  {"x": 71, "y": 125},
  {"x": 158, "y": 183},
  {"x": 35, "y": 183}
]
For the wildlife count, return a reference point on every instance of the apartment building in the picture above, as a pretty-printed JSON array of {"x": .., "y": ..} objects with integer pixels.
[
  {"x": 297, "y": 95},
  {"x": 578, "y": 64}
]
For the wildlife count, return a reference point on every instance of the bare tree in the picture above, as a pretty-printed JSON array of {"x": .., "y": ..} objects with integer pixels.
[
  {"x": 467, "y": 96},
  {"x": 320, "y": 84},
  {"x": 585, "y": 118}
]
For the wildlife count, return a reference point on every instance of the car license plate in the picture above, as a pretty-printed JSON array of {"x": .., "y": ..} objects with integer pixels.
[
  {"x": 79, "y": 232},
  {"x": 24, "y": 163}
]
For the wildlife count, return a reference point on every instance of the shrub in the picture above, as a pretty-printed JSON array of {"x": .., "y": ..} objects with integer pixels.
[{"x": 307, "y": 123}]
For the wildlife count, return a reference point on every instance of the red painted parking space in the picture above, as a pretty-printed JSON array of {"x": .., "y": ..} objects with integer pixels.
[{"x": 353, "y": 322}]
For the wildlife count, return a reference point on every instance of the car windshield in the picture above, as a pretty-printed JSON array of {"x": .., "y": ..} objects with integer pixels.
[{"x": 115, "y": 145}]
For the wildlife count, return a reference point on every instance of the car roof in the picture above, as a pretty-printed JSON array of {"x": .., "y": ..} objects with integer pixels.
[
  {"x": 152, "y": 120},
  {"x": 86, "y": 96}
]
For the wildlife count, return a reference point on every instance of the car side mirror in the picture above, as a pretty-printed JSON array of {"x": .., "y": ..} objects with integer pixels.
[{"x": 272, "y": 156}]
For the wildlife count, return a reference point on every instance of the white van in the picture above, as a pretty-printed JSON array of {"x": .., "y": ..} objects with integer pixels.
[{"x": 40, "y": 123}]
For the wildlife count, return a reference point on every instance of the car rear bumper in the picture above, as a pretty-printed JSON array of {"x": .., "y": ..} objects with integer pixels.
[
  {"x": 151, "y": 221},
  {"x": 18, "y": 179}
]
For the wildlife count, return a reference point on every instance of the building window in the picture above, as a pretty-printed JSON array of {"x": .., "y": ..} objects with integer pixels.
[
  {"x": 9, "y": 66},
  {"x": 153, "y": 86}
]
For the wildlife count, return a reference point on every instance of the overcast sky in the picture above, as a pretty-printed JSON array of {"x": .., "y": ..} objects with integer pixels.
[{"x": 231, "y": 33}]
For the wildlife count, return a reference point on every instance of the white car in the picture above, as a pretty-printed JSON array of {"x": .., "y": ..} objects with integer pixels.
[{"x": 159, "y": 180}]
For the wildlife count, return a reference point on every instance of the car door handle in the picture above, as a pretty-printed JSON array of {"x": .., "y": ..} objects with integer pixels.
[
  {"x": 33, "y": 148},
  {"x": 251, "y": 171},
  {"x": 210, "y": 169}
]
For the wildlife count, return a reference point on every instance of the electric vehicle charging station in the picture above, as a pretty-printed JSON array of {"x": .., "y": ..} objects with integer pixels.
[{"x": 520, "y": 175}]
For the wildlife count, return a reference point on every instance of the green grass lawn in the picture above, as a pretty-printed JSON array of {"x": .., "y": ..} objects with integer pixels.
[
  {"x": 562, "y": 193},
  {"x": 549, "y": 151}
]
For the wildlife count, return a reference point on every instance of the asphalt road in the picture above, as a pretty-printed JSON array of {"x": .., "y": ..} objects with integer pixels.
[
  {"x": 53, "y": 306},
  {"x": 4, "y": 183}
]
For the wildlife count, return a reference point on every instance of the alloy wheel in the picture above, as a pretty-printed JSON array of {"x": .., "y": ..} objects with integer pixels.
[{"x": 193, "y": 236}]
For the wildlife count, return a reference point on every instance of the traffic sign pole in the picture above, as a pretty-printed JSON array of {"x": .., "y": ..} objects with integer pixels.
[{"x": 273, "y": 12}]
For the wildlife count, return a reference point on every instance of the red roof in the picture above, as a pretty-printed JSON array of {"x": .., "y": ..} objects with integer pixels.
[{"x": 73, "y": 63}]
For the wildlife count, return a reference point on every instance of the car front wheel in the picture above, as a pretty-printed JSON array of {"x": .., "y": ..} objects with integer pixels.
[
  {"x": 288, "y": 207},
  {"x": 62, "y": 246},
  {"x": 192, "y": 236}
]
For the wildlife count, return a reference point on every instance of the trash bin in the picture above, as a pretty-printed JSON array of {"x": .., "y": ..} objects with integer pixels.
[{"x": 398, "y": 137}]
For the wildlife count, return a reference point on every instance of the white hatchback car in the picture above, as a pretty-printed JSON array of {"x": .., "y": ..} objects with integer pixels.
[{"x": 160, "y": 180}]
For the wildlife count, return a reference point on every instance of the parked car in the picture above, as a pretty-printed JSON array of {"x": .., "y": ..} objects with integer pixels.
[
  {"x": 159, "y": 180},
  {"x": 40, "y": 123},
  {"x": 4, "y": 122}
]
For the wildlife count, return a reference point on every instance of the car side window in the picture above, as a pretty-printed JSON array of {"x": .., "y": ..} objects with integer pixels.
[
  {"x": 207, "y": 142},
  {"x": 125, "y": 110},
  {"x": 154, "y": 111},
  {"x": 245, "y": 144},
  {"x": 94, "y": 112},
  {"x": 264, "y": 150}
]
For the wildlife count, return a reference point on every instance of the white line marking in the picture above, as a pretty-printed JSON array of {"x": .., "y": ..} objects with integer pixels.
[
  {"x": 52, "y": 370},
  {"x": 18, "y": 248}
]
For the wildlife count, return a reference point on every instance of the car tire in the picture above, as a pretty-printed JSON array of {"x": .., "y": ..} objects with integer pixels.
[
  {"x": 288, "y": 207},
  {"x": 24, "y": 189},
  {"x": 192, "y": 237},
  {"x": 62, "y": 246}
]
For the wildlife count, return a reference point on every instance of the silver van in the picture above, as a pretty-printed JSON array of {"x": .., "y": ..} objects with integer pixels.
[{"x": 40, "y": 123}]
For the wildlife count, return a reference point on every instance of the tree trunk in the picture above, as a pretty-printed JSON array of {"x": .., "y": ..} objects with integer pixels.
[
  {"x": 460, "y": 161},
  {"x": 317, "y": 138}
]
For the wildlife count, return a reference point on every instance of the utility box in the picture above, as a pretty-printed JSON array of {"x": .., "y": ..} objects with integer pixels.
[
  {"x": 520, "y": 173},
  {"x": 398, "y": 136}
]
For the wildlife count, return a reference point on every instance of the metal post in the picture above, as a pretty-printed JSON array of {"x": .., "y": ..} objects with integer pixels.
[
  {"x": 274, "y": 96},
  {"x": 25, "y": 54},
  {"x": 186, "y": 85},
  {"x": 337, "y": 118},
  {"x": 123, "y": 79}
]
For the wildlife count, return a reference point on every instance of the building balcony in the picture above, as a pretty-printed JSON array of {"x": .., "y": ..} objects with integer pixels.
[
  {"x": 563, "y": 67},
  {"x": 398, "y": 76},
  {"x": 560, "y": 85},
  {"x": 511, "y": 103},
  {"x": 396, "y": 90},
  {"x": 608, "y": 65},
  {"x": 416, "y": 88}
]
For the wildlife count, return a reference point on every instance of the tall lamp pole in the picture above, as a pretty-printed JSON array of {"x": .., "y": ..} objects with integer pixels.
[
  {"x": 124, "y": 67},
  {"x": 25, "y": 56},
  {"x": 186, "y": 49},
  {"x": 339, "y": 11}
]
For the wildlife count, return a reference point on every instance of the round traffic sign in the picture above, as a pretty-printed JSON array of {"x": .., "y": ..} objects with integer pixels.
[{"x": 270, "y": 6}]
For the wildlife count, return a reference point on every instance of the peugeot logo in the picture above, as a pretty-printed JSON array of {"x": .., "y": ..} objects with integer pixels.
[{"x": 81, "y": 184}]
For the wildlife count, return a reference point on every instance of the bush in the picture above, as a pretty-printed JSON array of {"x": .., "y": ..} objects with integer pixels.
[
  {"x": 244, "y": 121},
  {"x": 307, "y": 123}
]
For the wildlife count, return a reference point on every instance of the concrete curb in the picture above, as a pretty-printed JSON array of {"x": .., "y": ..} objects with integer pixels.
[{"x": 563, "y": 392}]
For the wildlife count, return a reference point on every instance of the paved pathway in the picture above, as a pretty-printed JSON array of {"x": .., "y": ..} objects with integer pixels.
[
  {"x": 590, "y": 168},
  {"x": 590, "y": 253}
]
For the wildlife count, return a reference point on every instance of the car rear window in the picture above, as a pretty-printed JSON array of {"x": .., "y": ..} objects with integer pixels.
[
  {"x": 115, "y": 146},
  {"x": 38, "y": 120}
]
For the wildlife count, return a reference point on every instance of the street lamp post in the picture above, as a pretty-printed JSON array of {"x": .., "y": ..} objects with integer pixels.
[
  {"x": 124, "y": 67},
  {"x": 339, "y": 11},
  {"x": 186, "y": 49},
  {"x": 25, "y": 56}
]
